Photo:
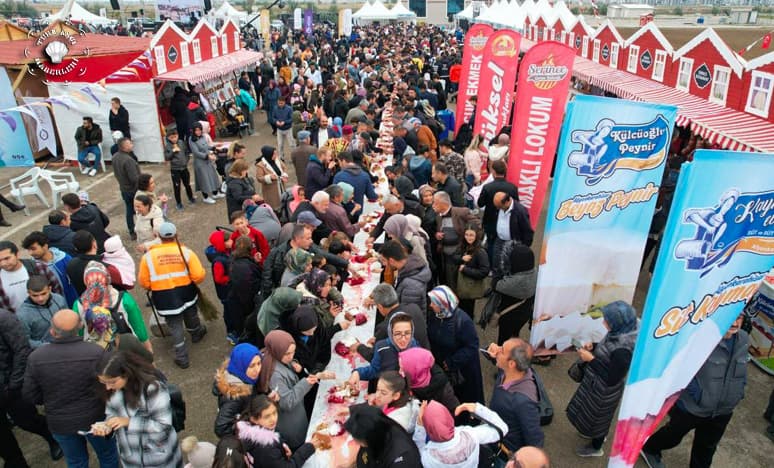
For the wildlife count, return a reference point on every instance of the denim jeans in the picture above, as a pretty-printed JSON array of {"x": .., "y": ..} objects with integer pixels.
[
  {"x": 83, "y": 155},
  {"x": 129, "y": 206},
  {"x": 77, "y": 455}
]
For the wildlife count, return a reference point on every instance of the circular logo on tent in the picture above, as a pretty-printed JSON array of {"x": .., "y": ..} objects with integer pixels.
[
  {"x": 605, "y": 52},
  {"x": 172, "y": 54},
  {"x": 646, "y": 60},
  {"x": 55, "y": 52},
  {"x": 547, "y": 74},
  {"x": 577, "y": 42},
  {"x": 702, "y": 76}
]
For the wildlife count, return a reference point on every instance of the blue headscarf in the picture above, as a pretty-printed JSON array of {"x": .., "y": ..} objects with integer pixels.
[
  {"x": 620, "y": 317},
  {"x": 241, "y": 356}
]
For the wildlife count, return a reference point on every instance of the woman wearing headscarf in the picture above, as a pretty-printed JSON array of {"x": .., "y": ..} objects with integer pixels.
[
  {"x": 297, "y": 262},
  {"x": 239, "y": 187},
  {"x": 383, "y": 442},
  {"x": 270, "y": 173},
  {"x": 398, "y": 227},
  {"x": 454, "y": 342},
  {"x": 593, "y": 406},
  {"x": 235, "y": 382},
  {"x": 299, "y": 195},
  {"x": 518, "y": 291},
  {"x": 400, "y": 337},
  {"x": 245, "y": 278},
  {"x": 426, "y": 380},
  {"x": 404, "y": 188},
  {"x": 106, "y": 312},
  {"x": 442, "y": 445},
  {"x": 348, "y": 202},
  {"x": 281, "y": 373},
  {"x": 316, "y": 289},
  {"x": 207, "y": 179},
  {"x": 275, "y": 310}
]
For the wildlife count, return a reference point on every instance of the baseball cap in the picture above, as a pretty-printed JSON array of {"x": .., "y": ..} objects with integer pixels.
[
  {"x": 167, "y": 230},
  {"x": 307, "y": 217}
]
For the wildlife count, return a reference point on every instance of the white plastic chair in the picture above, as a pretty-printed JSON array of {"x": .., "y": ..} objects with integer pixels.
[
  {"x": 59, "y": 182},
  {"x": 28, "y": 184},
  {"x": 90, "y": 157}
]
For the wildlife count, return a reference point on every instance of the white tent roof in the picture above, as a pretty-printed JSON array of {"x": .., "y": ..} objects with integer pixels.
[
  {"x": 376, "y": 11},
  {"x": 77, "y": 13},
  {"x": 401, "y": 11},
  {"x": 226, "y": 10},
  {"x": 467, "y": 13}
]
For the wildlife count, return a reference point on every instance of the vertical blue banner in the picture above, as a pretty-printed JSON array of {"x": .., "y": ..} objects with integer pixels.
[
  {"x": 15, "y": 147},
  {"x": 717, "y": 247},
  {"x": 608, "y": 171},
  {"x": 308, "y": 21}
]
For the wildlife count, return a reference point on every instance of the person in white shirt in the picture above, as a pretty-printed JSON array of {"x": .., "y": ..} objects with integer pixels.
[
  {"x": 14, "y": 273},
  {"x": 443, "y": 445}
]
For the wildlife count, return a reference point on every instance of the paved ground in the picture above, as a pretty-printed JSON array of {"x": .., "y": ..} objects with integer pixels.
[{"x": 744, "y": 445}]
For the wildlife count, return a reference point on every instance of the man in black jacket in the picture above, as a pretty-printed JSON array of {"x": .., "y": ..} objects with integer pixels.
[
  {"x": 87, "y": 217},
  {"x": 14, "y": 350},
  {"x": 127, "y": 173},
  {"x": 447, "y": 183},
  {"x": 394, "y": 205},
  {"x": 89, "y": 138},
  {"x": 86, "y": 248},
  {"x": 512, "y": 226},
  {"x": 59, "y": 233},
  {"x": 62, "y": 376},
  {"x": 119, "y": 118},
  {"x": 486, "y": 201}
]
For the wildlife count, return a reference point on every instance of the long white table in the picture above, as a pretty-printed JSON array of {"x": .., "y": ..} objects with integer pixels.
[{"x": 343, "y": 448}]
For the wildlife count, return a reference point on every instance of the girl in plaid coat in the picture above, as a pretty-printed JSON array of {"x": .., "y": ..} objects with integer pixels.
[{"x": 138, "y": 412}]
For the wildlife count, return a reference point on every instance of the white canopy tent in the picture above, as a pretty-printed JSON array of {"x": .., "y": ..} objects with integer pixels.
[
  {"x": 467, "y": 13},
  {"x": 401, "y": 12},
  {"x": 226, "y": 11},
  {"x": 373, "y": 12},
  {"x": 77, "y": 13}
]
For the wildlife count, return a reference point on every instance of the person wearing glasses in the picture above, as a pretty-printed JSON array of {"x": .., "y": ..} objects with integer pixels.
[{"x": 399, "y": 338}]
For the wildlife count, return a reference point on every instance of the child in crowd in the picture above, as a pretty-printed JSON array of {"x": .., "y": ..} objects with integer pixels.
[
  {"x": 36, "y": 311},
  {"x": 242, "y": 227},
  {"x": 199, "y": 454},
  {"x": 266, "y": 447},
  {"x": 219, "y": 258},
  {"x": 117, "y": 255},
  {"x": 230, "y": 453},
  {"x": 394, "y": 398}
]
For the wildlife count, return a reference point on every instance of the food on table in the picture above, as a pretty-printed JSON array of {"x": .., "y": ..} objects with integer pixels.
[
  {"x": 361, "y": 318},
  {"x": 341, "y": 349},
  {"x": 355, "y": 281}
]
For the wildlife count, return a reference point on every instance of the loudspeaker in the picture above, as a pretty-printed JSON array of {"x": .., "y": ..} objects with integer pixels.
[
  {"x": 114, "y": 4},
  {"x": 207, "y": 5}
]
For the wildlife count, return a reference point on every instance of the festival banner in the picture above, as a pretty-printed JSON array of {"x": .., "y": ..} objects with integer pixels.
[
  {"x": 717, "y": 248},
  {"x": 345, "y": 22},
  {"x": 297, "y": 20},
  {"x": 608, "y": 171},
  {"x": 498, "y": 78},
  {"x": 472, "y": 60},
  {"x": 44, "y": 126},
  {"x": 308, "y": 21},
  {"x": 15, "y": 148},
  {"x": 265, "y": 20},
  {"x": 541, "y": 96}
]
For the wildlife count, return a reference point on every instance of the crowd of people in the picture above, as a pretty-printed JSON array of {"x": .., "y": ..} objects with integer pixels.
[{"x": 75, "y": 341}]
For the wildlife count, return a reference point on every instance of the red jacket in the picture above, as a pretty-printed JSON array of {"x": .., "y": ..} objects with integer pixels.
[
  {"x": 454, "y": 73},
  {"x": 260, "y": 244}
]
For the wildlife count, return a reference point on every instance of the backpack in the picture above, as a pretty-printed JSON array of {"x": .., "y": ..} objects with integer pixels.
[
  {"x": 545, "y": 408},
  {"x": 176, "y": 405},
  {"x": 284, "y": 208}
]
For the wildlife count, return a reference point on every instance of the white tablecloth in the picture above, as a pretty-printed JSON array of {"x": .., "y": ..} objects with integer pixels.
[{"x": 344, "y": 449}]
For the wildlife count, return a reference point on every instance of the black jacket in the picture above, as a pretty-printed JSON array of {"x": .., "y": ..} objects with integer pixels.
[
  {"x": 266, "y": 448},
  {"x": 315, "y": 354},
  {"x": 409, "y": 208},
  {"x": 90, "y": 137},
  {"x": 273, "y": 267},
  {"x": 485, "y": 200},
  {"x": 120, "y": 121},
  {"x": 520, "y": 228},
  {"x": 14, "y": 350},
  {"x": 320, "y": 232},
  {"x": 233, "y": 398},
  {"x": 245, "y": 278},
  {"x": 478, "y": 266},
  {"x": 60, "y": 237},
  {"x": 237, "y": 191},
  {"x": 454, "y": 189},
  {"x": 317, "y": 177},
  {"x": 91, "y": 219},
  {"x": 400, "y": 452},
  {"x": 62, "y": 376},
  {"x": 417, "y": 316}
]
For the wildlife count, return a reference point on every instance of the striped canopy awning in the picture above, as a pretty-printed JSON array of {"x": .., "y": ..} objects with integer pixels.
[
  {"x": 728, "y": 128},
  {"x": 214, "y": 68}
]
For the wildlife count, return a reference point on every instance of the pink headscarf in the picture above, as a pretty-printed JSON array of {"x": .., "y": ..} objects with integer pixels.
[
  {"x": 296, "y": 199},
  {"x": 438, "y": 422},
  {"x": 417, "y": 363}
]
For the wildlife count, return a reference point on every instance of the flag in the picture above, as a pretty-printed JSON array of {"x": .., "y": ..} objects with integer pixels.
[
  {"x": 766, "y": 41},
  {"x": 497, "y": 80},
  {"x": 472, "y": 59}
]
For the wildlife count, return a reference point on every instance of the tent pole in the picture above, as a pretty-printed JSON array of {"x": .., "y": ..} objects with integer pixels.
[{"x": 20, "y": 77}]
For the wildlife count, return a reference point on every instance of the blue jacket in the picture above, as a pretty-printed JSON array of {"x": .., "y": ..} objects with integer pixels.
[
  {"x": 317, "y": 177},
  {"x": 59, "y": 266},
  {"x": 360, "y": 180},
  {"x": 519, "y": 411},
  {"x": 420, "y": 168},
  {"x": 36, "y": 319},
  {"x": 284, "y": 114},
  {"x": 385, "y": 356}
]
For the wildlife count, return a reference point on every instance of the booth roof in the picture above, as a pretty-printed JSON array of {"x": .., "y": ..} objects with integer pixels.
[
  {"x": 22, "y": 52},
  {"x": 213, "y": 68}
]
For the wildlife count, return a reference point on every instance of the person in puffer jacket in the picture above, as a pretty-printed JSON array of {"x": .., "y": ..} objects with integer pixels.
[
  {"x": 262, "y": 441},
  {"x": 36, "y": 311}
]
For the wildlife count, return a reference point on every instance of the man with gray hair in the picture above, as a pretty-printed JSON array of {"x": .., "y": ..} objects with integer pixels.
[
  {"x": 62, "y": 376},
  {"x": 450, "y": 224},
  {"x": 335, "y": 217},
  {"x": 356, "y": 113},
  {"x": 300, "y": 155},
  {"x": 515, "y": 397},
  {"x": 394, "y": 205},
  {"x": 317, "y": 206},
  {"x": 386, "y": 300}
]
